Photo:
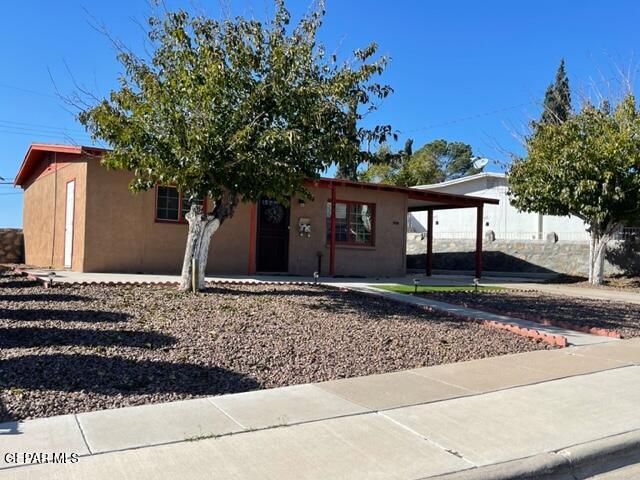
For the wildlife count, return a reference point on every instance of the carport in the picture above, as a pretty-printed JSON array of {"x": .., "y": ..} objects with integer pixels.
[
  {"x": 417, "y": 201},
  {"x": 426, "y": 200}
]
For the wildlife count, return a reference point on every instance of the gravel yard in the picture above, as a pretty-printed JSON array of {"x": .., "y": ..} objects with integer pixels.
[
  {"x": 537, "y": 306},
  {"x": 73, "y": 349}
]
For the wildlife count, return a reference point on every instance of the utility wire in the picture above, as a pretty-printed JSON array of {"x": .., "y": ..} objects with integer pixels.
[
  {"x": 23, "y": 125},
  {"x": 47, "y": 135},
  {"x": 470, "y": 117},
  {"x": 26, "y": 90},
  {"x": 538, "y": 101}
]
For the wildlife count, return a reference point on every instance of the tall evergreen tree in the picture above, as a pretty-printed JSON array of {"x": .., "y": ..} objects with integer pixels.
[{"x": 557, "y": 99}]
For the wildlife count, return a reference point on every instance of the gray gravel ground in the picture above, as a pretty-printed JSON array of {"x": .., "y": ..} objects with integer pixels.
[
  {"x": 537, "y": 306},
  {"x": 80, "y": 348}
]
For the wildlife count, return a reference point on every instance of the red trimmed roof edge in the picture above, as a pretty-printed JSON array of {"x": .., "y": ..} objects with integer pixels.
[
  {"x": 413, "y": 193},
  {"x": 29, "y": 161}
]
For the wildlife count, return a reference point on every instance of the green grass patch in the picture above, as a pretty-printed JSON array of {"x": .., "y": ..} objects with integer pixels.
[{"x": 399, "y": 288}]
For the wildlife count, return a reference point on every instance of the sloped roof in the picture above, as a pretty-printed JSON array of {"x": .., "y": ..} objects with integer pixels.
[
  {"x": 457, "y": 181},
  {"x": 418, "y": 199},
  {"x": 36, "y": 152}
]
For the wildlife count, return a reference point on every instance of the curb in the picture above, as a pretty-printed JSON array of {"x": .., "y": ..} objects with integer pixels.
[{"x": 578, "y": 462}]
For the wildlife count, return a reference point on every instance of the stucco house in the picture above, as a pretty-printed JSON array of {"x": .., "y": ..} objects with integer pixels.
[
  {"x": 81, "y": 216},
  {"x": 503, "y": 218}
]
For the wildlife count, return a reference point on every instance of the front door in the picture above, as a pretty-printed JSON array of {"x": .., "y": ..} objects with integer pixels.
[{"x": 273, "y": 237}]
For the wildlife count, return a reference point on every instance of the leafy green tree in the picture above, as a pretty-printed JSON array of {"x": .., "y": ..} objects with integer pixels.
[
  {"x": 556, "y": 106},
  {"x": 451, "y": 159},
  {"x": 383, "y": 168},
  {"x": 347, "y": 165},
  {"x": 235, "y": 110},
  {"x": 587, "y": 166},
  {"x": 434, "y": 162}
]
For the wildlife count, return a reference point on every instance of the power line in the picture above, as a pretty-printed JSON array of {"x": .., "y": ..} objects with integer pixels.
[
  {"x": 470, "y": 117},
  {"x": 26, "y": 90},
  {"x": 44, "y": 132},
  {"x": 497, "y": 110},
  {"x": 23, "y": 125},
  {"x": 47, "y": 135}
]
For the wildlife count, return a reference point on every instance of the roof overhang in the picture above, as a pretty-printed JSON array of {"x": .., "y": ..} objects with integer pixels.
[
  {"x": 37, "y": 151},
  {"x": 417, "y": 200}
]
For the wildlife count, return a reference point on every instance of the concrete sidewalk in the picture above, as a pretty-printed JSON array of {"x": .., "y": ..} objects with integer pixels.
[{"x": 491, "y": 418}]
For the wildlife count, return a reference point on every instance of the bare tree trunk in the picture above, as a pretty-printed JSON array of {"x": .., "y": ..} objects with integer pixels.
[
  {"x": 210, "y": 229},
  {"x": 197, "y": 223},
  {"x": 597, "y": 252},
  {"x": 592, "y": 251},
  {"x": 202, "y": 227}
]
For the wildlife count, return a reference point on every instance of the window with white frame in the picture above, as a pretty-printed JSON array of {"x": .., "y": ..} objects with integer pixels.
[{"x": 354, "y": 223}]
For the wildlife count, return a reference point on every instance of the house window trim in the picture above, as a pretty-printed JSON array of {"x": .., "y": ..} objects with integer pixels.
[
  {"x": 181, "y": 220},
  {"x": 347, "y": 243}
]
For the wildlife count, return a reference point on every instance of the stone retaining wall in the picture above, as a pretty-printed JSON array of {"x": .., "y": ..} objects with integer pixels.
[
  {"x": 11, "y": 245},
  {"x": 527, "y": 256}
]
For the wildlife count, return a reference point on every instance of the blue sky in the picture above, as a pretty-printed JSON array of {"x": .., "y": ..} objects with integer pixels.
[{"x": 461, "y": 70}]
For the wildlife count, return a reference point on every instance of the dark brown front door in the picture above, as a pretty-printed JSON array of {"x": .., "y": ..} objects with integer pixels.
[{"x": 273, "y": 237}]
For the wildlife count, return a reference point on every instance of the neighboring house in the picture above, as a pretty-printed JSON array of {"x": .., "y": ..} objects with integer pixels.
[
  {"x": 82, "y": 216},
  {"x": 503, "y": 219}
]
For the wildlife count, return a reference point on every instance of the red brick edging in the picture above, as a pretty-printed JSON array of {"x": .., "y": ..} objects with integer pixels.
[
  {"x": 550, "y": 338},
  {"x": 601, "y": 331}
]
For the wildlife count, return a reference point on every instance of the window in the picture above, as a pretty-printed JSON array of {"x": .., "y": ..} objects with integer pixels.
[
  {"x": 171, "y": 206},
  {"x": 354, "y": 223},
  {"x": 167, "y": 199}
]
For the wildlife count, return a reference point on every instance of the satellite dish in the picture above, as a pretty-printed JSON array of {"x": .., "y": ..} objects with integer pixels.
[{"x": 480, "y": 162}]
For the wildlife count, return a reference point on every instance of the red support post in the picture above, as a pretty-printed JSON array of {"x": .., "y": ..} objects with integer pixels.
[
  {"x": 332, "y": 229},
  {"x": 479, "y": 234},
  {"x": 251, "y": 260},
  {"x": 429, "y": 270}
]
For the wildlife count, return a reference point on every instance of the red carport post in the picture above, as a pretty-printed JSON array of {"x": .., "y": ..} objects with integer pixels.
[
  {"x": 429, "y": 270},
  {"x": 332, "y": 230},
  {"x": 479, "y": 218}
]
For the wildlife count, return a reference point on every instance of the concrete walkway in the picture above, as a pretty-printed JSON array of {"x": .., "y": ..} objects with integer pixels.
[
  {"x": 573, "y": 337},
  {"x": 66, "y": 276},
  {"x": 542, "y": 411},
  {"x": 519, "y": 283}
]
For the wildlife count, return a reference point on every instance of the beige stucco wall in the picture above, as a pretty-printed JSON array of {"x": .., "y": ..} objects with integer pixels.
[
  {"x": 123, "y": 236},
  {"x": 115, "y": 230},
  {"x": 386, "y": 258},
  {"x": 43, "y": 214}
]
